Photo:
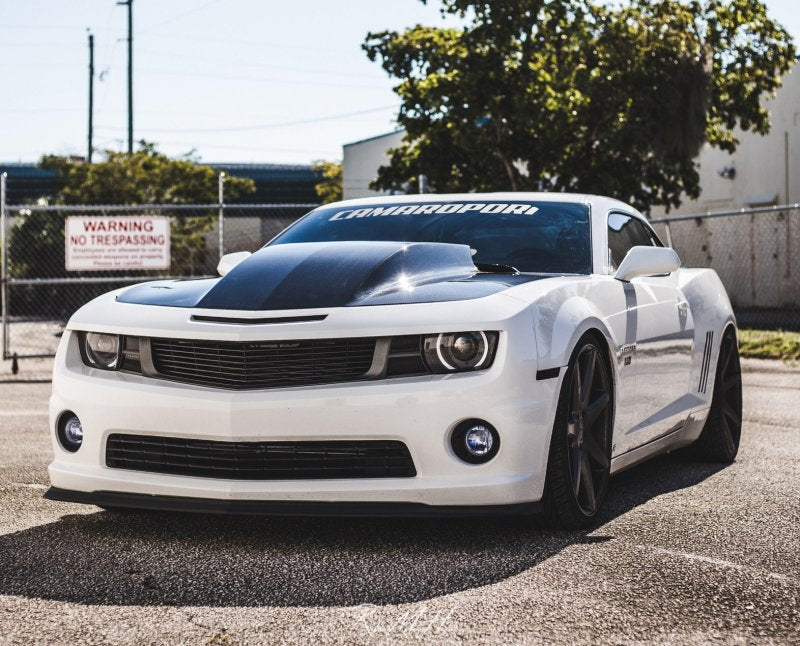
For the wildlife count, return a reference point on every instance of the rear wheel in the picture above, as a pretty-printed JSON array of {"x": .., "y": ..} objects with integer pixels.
[
  {"x": 579, "y": 460},
  {"x": 719, "y": 441}
]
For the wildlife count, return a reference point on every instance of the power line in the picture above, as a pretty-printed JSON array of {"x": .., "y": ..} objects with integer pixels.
[
  {"x": 295, "y": 70},
  {"x": 180, "y": 15},
  {"x": 265, "y": 149},
  {"x": 256, "y": 43},
  {"x": 226, "y": 77},
  {"x": 262, "y": 79},
  {"x": 45, "y": 110},
  {"x": 284, "y": 124},
  {"x": 28, "y": 43},
  {"x": 248, "y": 62},
  {"x": 60, "y": 27},
  {"x": 110, "y": 52}
]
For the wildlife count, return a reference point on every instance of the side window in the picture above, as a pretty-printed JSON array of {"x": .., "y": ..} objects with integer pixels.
[
  {"x": 648, "y": 234},
  {"x": 619, "y": 240},
  {"x": 624, "y": 232}
]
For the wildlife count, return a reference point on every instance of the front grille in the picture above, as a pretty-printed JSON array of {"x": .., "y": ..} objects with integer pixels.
[
  {"x": 260, "y": 460},
  {"x": 405, "y": 357},
  {"x": 268, "y": 364}
]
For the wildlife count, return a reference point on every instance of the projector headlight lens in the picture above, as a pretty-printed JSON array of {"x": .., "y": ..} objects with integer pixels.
[
  {"x": 101, "y": 350},
  {"x": 459, "y": 351}
]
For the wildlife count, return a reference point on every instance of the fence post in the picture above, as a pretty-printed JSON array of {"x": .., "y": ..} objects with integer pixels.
[
  {"x": 221, "y": 225},
  {"x": 668, "y": 231},
  {"x": 4, "y": 263}
]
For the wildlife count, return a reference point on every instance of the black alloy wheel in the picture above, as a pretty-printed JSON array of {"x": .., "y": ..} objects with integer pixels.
[
  {"x": 579, "y": 463},
  {"x": 588, "y": 430},
  {"x": 719, "y": 441}
]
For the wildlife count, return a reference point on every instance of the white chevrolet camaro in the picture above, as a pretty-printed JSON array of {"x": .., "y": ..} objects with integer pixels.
[{"x": 411, "y": 355}]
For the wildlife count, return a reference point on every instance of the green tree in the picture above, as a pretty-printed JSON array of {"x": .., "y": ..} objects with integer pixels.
[
  {"x": 576, "y": 95},
  {"x": 329, "y": 188},
  {"x": 144, "y": 177}
]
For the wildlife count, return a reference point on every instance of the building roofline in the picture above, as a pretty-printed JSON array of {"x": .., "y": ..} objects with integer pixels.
[{"x": 362, "y": 141}]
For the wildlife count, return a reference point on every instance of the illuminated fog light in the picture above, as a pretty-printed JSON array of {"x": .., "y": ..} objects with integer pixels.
[
  {"x": 479, "y": 440},
  {"x": 475, "y": 441},
  {"x": 70, "y": 431}
]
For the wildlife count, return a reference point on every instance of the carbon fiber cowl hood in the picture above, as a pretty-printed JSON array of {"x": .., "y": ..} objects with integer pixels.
[{"x": 334, "y": 274}]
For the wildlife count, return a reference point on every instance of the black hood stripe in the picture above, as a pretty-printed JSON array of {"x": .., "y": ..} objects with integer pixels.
[{"x": 335, "y": 274}]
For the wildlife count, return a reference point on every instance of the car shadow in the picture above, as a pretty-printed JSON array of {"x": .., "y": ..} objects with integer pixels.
[{"x": 193, "y": 560}]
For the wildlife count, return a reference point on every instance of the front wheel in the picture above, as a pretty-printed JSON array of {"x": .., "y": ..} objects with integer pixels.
[{"x": 579, "y": 462}]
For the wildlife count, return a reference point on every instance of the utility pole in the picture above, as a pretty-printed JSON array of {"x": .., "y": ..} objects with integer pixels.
[
  {"x": 129, "y": 4},
  {"x": 91, "y": 97}
]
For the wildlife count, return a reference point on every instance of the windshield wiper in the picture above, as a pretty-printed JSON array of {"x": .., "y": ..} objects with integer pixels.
[{"x": 493, "y": 268}]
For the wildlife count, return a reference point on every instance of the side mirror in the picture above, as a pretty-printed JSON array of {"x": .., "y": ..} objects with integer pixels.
[
  {"x": 230, "y": 260},
  {"x": 647, "y": 261}
]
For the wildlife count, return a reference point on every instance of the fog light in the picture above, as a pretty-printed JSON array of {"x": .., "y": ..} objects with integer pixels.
[
  {"x": 479, "y": 440},
  {"x": 475, "y": 441},
  {"x": 70, "y": 431}
]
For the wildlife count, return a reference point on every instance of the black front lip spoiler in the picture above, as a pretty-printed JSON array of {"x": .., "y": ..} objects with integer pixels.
[{"x": 113, "y": 499}]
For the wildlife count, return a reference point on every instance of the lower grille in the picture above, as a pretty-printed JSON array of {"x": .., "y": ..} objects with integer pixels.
[{"x": 260, "y": 460}]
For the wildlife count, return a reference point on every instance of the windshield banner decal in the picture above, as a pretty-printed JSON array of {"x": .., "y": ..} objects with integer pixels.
[{"x": 506, "y": 208}]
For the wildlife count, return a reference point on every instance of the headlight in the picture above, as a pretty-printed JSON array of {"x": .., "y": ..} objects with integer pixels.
[
  {"x": 101, "y": 350},
  {"x": 459, "y": 351}
]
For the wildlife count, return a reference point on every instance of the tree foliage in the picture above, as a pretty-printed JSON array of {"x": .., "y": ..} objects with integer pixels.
[
  {"x": 144, "y": 177},
  {"x": 329, "y": 188},
  {"x": 578, "y": 95}
]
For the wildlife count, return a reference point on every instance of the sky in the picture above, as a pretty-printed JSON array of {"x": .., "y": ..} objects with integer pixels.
[{"x": 232, "y": 80}]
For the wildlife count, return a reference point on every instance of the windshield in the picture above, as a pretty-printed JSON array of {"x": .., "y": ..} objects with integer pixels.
[{"x": 546, "y": 237}]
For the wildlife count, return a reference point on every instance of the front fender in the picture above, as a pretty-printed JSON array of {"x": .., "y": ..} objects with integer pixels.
[{"x": 559, "y": 326}]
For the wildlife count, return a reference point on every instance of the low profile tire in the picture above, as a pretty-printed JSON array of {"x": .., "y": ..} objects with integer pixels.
[
  {"x": 719, "y": 441},
  {"x": 579, "y": 461}
]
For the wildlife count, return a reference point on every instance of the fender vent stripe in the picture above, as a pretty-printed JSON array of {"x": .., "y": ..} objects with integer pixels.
[
  {"x": 701, "y": 387},
  {"x": 550, "y": 373}
]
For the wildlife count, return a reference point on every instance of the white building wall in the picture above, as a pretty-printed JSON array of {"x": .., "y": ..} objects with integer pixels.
[
  {"x": 757, "y": 256},
  {"x": 761, "y": 163},
  {"x": 361, "y": 160}
]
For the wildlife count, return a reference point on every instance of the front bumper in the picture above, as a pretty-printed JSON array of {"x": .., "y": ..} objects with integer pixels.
[
  {"x": 419, "y": 411},
  {"x": 116, "y": 500}
]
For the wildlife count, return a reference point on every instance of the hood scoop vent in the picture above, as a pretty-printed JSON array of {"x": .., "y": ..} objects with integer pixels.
[
  {"x": 259, "y": 321},
  {"x": 323, "y": 275},
  {"x": 337, "y": 274}
]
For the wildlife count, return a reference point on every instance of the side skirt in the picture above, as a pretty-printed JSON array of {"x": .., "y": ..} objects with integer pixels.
[{"x": 684, "y": 436}]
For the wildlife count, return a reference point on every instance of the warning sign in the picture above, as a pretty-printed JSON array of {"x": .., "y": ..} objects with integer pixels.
[{"x": 108, "y": 243}]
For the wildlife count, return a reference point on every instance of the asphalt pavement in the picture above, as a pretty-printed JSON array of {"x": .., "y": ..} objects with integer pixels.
[{"x": 684, "y": 553}]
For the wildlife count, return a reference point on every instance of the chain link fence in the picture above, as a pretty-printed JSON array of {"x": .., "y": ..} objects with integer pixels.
[
  {"x": 756, "y": 253},
  {"x": 39, "y": 292}
]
